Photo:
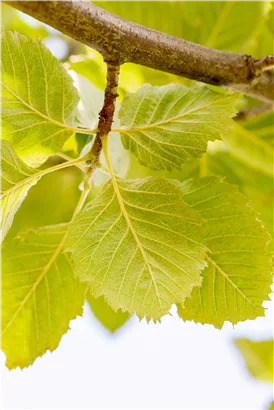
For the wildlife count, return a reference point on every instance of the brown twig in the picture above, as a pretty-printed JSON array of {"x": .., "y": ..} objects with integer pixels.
[
  {"x": 262, "y": 109},
  {"x": 123, "y": 41},
  {"x": 107, "y": 112}
]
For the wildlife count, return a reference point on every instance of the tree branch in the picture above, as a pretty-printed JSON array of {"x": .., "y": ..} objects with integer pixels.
[
  {"x": 256, "y": 111},
  {"x": 123, "y": 41}
]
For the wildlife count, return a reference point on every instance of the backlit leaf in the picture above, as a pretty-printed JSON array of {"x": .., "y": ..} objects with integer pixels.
[
  {"x": 239, "y": 273},
  {"x": 137, "y": 245},
  {"x": 164, "y": 126},
  {"x": 110, "y": 319},
  {"x": 258, "y": 357},
  {"x": 16, "y": 180},
  {"x": 40, "y": 294},
  {"x": 38, "y": 99},
  {"x": 252, "y": 146}
]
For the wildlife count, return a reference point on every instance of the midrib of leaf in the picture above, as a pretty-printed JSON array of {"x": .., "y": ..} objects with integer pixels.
[
  {"x": 219, "y": 24},
  {"x": 48, "y": 119},
  {"x": 222, "y": 272},
  {"x": 40, "y": 174},
  {"x": 60, "y": 124},
  {"x": 127, "y": 219},
  {"x": 38, "y": 281},
  {"x": 51, "y": 261},
  {"x": 166, "y": 121}
]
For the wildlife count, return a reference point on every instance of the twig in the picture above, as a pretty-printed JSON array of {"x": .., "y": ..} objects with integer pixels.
[
  {"x": 245, "y": 115},
  {"x": 107, "y": 112},
  {"x": 123, "y": 41}
]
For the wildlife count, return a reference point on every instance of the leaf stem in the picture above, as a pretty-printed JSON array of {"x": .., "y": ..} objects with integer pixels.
[{"x": 43, "y": 172}]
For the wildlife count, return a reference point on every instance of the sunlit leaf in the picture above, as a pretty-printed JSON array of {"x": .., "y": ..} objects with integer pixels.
[
  {"x": 16, "y": 180},
  {"x": 110, "y": 319},
  {"x": 258, "y": 358},
  {"x": 38, "y": 99},
  {"x": 40, "y": 294},
  {"x": 164, "y": 126},
  {"x": 137, "y": 244},
  {"x": 225, "y": 25},
  {"x": 254, "y": 184},
  {"x": 250, "y": 147},
  {"x": 239, "y": 273}
]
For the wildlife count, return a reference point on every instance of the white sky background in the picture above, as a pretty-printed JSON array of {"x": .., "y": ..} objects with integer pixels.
[{"x": 172, "y": 365}]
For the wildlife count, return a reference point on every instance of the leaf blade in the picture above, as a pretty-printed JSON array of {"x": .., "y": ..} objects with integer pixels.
[
  {"x": 258, "y": 358},
  {"x": 38, "y": 99},
  {"x": 35, "y": 269},
  {"x": 164, "y": 126},
  {"x": 111, "y": 320},
  {"x": 116, "y": 248},
  {"x": 239, "y": 274},
  {"x": 16, "y": 180}
]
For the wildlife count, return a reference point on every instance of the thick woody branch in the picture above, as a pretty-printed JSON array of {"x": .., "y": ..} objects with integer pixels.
[{"x": 123, "y": 41}]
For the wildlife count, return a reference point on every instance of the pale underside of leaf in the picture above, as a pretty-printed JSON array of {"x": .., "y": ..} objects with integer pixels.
[
  {"x": 16, "y": 180},
  {"x": 38, "y": 99},
  {"x": 40, "y": 294},
  {"x": 134, "y": 245},
  {"x": 164, "y": 126},
  {"x": 239, "y": 273}
]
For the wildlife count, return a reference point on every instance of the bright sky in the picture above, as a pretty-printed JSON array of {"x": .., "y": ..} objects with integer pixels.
[{"x": 172, "y": 365}]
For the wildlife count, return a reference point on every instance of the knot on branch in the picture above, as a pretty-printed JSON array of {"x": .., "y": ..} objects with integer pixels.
[{"x": 261, "y": 64}]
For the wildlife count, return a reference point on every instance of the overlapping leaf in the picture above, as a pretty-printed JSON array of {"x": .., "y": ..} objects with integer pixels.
[
  {"x": 164, "y": 126},
  {"x": 251, "y": 147},
  {"x": 110, "y": 319},
  {"x": 239, "y": 273},
  {"x": 16, "y": 180},
  {"x": 40, "y": 294},
  {"x": 259, "y": 358},
  {"x": 254, "y": 184},
  {"x": 38, "y": 99},
  {"x": 226, "y": 25},
  {"x": 137, "y": 244}
]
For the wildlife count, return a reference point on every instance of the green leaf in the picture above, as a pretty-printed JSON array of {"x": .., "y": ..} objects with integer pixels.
[
  {"x": 254, "y": 184},
  {"x": 40, "y": 294},
  {"x": 271, "y": 406},
  {"x": 16, "y": 180},
  {"x": 258, "y": 358},
  {"x": 239, "y": 273},
  {"x": 164, "y": 126},
  {"x": 136, "y": 244},
  {"x": 110, "y": 319},
  {"x": 225, "y": 25},
  {"x": 38, "y": 99},
  {"x": 250, "y": 147},
  {"x": 147, "y": 14}
]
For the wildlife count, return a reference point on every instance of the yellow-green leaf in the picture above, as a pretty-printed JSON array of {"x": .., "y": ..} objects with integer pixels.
[
  {"x": 258, "y": 358},
  {"x": 110, "y": 319},
  {"x": 38, "y": 99},
  {"x": 137, "y": 244},
  {"x": 40, "y": 294},
  {"x": 164, "y": 126},
  {"x": 239, "y": 273},
  {"x": 16, "y": 180}
]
